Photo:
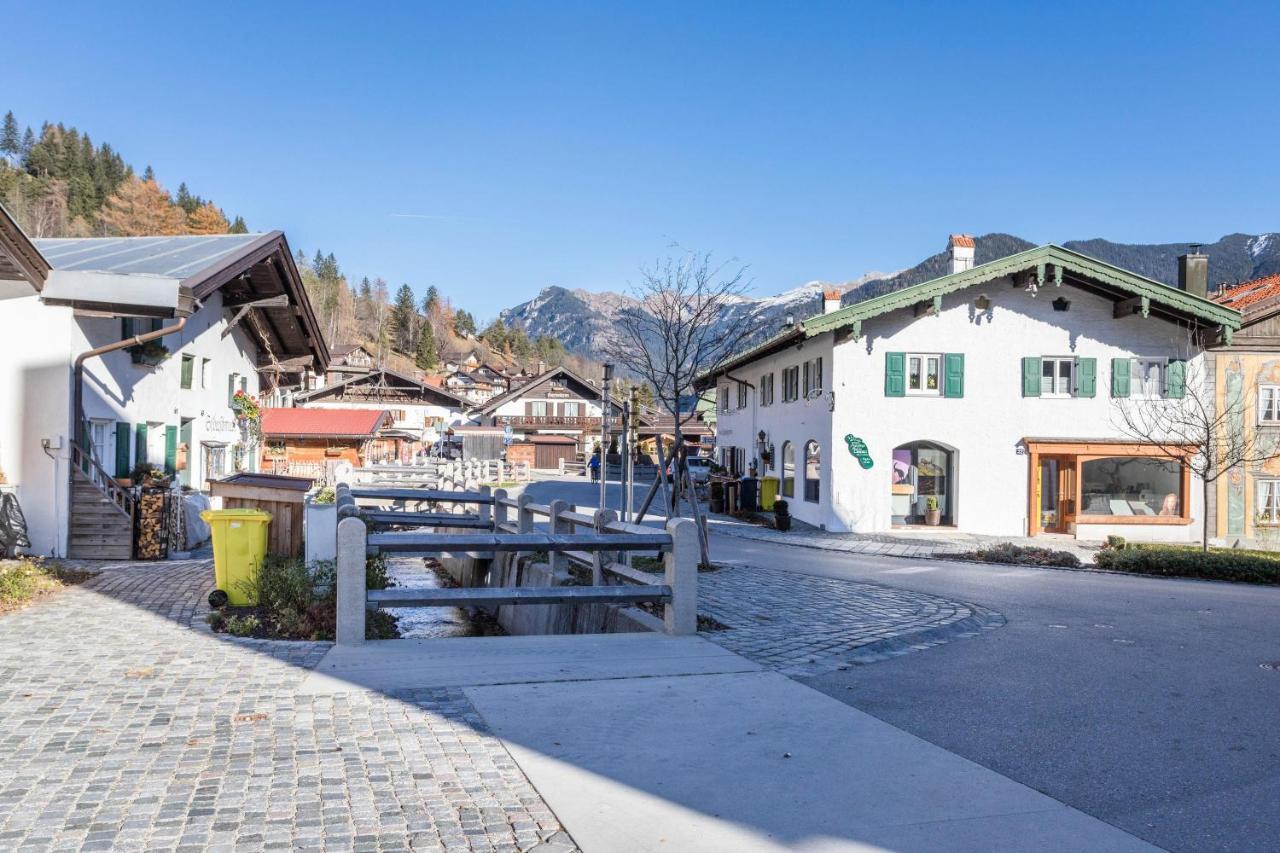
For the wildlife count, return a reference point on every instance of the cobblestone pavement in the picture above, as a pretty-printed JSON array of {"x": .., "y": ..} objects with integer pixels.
[
  {"x": 802, "y": 624},
  {"x": 128, "y": 725},
  {"x": 923, "y": 544}
]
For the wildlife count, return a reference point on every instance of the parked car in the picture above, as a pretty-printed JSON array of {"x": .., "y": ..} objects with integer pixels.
[{"x": 699, "y": 469}]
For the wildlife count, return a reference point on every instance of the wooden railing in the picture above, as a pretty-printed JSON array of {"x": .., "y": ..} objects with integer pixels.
[
  {"x": 104, "y": 482},
  {"x": 435, "y": 473},
  {"x": 505, "y": 526},
  {"x": 551, "y": 420}
]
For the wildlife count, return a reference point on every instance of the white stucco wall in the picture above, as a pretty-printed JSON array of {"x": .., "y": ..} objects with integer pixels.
[{"x": 984, "y": 427}]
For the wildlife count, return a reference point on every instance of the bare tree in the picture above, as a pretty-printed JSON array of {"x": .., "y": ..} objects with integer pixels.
[
  {"x": 1209, "y": 439},
  {"x": 676, "y": 331}
]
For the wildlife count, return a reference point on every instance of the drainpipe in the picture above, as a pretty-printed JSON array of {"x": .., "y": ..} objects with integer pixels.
[{"x": 78, "y": 380}]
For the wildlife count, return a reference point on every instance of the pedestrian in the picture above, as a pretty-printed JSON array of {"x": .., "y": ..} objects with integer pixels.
[{"x": 594, "y": 465}]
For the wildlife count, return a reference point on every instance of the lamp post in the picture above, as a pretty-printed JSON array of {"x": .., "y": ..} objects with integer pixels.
[{"x": 604, "y": 432}]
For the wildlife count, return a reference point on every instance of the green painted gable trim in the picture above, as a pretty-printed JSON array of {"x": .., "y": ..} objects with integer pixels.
[{"x": 1158, "y": 292}]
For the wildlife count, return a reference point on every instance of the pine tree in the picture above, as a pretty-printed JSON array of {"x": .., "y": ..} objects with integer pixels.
[
  {"x": 148, "y": 174},
  {"x": 464, "y": 325},
  {"x": 426, "y": 357},
  {"x": 403, "y": 316},
  {"x": 366, "y": 292},
  {"x": 238, "y": 226},
  {"x": 431, "y": 301},
  {"x": 10, "y": 142},
  {"x": 495, "y": 335}
]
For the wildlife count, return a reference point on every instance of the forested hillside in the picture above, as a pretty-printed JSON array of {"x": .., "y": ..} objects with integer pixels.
[{"x": 59, "y": 184}]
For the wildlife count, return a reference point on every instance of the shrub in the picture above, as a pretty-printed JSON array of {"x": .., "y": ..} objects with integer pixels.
[
  {"x": 245, "y": 625},
  {"x": 376, "y": 574},
  {"x": 327, "y": 495},
  {"x": 1115, "y": 542},
  {"x": 1007, "y": 552},
  {"x": 1190, "y": 562}
]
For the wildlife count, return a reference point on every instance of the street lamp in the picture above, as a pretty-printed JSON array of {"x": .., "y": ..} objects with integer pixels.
[{"x": 604, "y": 430}]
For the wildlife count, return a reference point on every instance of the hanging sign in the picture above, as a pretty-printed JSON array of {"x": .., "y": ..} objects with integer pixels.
[{"x": 858, "y": 450}]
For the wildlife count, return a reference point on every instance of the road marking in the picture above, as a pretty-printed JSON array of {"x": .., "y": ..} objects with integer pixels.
[{"x": 910, "y": 570}]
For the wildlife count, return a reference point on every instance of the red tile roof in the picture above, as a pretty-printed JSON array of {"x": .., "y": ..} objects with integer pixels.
[
  {"x": 963, "y": 240},
  {"x": 330, "y": 423},
  {"x": 1242, "y": 296}
]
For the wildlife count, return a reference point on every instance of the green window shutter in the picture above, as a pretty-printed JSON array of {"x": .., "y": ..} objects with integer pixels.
[
  {"x": 122, "y": 449},
  {"x": 188, "y": 368},
  {"x": 170, "y": 449},
  {"x": 1031, "y": 376},
  {"x": 1175, "y": 379},
  {"x": 895, "y": 374},
  {"x": 1086, "y": 377},
  {"x": 140, "y": 445},
  {"x": 231, "y": 389},
  {"x": 1121, "y": 373},
  {"x": 953, "y": 374}
]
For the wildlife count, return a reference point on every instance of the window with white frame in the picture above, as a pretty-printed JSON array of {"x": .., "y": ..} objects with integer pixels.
[
  {"x": 1057, "y": 377},
  {"x": 1149, "y": 376},
  {"x": 1267, "y": 510},
  {"x": 723, "y": 394},
  {"x": 1269, "y": 404},
  {"x": 924, "y": 373},
  {"x": 766, "y": 390},
  {"x": 812, "y": 375},
  {"x": 742, "y": 395},
  {"x": 204, "y": 372},
  {"x": 791, "y": 384}
]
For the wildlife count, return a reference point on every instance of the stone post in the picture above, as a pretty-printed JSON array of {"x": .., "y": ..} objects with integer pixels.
[
  {"x": 559, "y": 562},
  {"x": 352, "y": 595},
  {"x": 499, "y": 509},
  {"x": 603, "y": 518},
  {"x": 484, "y": 510},
  {"x": 680, "y": 615}
]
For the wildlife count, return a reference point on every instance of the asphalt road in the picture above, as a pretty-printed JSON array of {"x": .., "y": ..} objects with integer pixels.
[{"x": 1140, "y": 701}]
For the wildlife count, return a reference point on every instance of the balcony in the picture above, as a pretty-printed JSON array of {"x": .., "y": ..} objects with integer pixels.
[{"x": 555, "y": 421}]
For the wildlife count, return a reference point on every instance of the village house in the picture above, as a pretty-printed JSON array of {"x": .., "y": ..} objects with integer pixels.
[
  {"x": 559, "y": 409},
  {"x": 349, "y": 361},
  {"x": 983, "y": 400},
  {"x": 129, "y": 352},
  {"x": 420, "y": 412},
  {"x": 313, "y": 442},
  {"x": 1245, "y": 386}
]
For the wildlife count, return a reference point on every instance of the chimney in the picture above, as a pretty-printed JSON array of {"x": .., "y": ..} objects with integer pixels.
[
  {"x": 1193, "y": 272},
  {"x": 960, "y": 249},
  {"x": 542, "y": 367},
  {"x": 830, "y": 299}
]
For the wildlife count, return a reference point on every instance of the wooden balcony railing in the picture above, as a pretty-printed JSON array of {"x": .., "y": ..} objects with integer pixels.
[{"x": 551, "y": 421}]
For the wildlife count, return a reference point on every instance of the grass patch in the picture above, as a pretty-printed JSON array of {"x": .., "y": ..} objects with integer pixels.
[
  {"x": 24, "y": 580},
  {"x": 1022, "y": 555},
  {"x": 656, "y": 565},
  {"x": 299, "y": 602},
  {"x": 1189, "y": 561}
]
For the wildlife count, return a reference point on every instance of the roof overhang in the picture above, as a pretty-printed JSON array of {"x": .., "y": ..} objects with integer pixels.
[
  {"x": 113, "y": 293},
  {"x": 23, "y": 270},
  {"x": 1047, "y": 267}
]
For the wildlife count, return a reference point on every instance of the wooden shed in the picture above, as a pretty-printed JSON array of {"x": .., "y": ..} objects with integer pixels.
[
  {"x": 550, "y": 449},
  {"x": 279, "y": 495}
]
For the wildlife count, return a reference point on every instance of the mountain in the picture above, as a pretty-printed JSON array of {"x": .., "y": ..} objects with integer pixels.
[{"x": 579, "y": 319}]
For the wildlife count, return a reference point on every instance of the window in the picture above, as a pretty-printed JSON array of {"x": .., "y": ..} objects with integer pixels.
[
  {"x": 1131, "y": 485},
  {"x": 788, "y": 467},
  {"x": 923, "y": 373},
  {"x": 812, "y": 376},
  {"x": 766, "y": 390},
  {"x": 791, "y": 384},
  {"x": 538, "y": 408},
  {"x": 204, "y": 373},
  {"x": 215, "y": 460},
  {"x": 812, "y": 467},
  {"x": 188, "y": 371},
  {"x": 1267, "y": 510},
  {"x": 742, "y": 395},
  {"x": 1269, "y": 404},
  {"x": 571, "y": 410},
  {"x": 1057, "y": 377},
  {"x": 231, "y": 388},
  {"x": 1149, "y": 377},
  {"x": 723, "y": 394}
]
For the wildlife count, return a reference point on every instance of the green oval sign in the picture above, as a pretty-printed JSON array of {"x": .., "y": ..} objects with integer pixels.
[{"x": 858, "y": 450}]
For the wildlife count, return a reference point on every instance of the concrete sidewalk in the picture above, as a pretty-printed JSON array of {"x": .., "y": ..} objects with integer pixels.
[{"x": 644, "y": 742}]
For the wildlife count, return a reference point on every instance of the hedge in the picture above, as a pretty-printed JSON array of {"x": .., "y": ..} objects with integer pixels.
[
  {"x": 1024, "y": 555},
  {"x": 1184, "y": 562}
]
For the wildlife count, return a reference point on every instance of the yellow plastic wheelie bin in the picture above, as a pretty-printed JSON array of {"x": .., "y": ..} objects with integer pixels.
[
  {"x": 239, "y": 545},
  {"x": 768, "y": 493}
]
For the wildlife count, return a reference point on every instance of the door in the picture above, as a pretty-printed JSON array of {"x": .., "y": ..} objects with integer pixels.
[
  {"x": 102, "y": 438},
  {"x": 1057, "y": 493},
  {"x": 185, "y": 461}
]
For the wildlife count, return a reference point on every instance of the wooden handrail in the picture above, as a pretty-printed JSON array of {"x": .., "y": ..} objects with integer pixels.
[{"x": 102, "y": 481}]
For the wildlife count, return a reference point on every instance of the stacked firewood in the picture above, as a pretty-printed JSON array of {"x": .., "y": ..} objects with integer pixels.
[{"x": 151, "y": 537}]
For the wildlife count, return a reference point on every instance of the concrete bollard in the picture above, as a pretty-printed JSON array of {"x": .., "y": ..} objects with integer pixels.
[
  {"x": 352, "y": 595},
  {"x": 680, "y": 615},
  {"x": 559, "y": 562},
  {"x": 484, "y": 510},
  {"x": 602, "y": 518},
  {"x": 499, "y": 509}
]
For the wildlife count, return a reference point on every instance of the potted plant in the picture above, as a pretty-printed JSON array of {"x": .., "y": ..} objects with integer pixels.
[
  {"x": 717, "y": 496},
  {"x": 149, "y": 354},
  {"x": 781, "y": 515},
  {"x": 932, "y": 515}
]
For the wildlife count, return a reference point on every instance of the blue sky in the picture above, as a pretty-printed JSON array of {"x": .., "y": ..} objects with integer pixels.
[{"x": 492, "y": 149}]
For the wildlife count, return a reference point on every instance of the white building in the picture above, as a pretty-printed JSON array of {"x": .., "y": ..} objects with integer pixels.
[
  {"x": 557, "y": 403},
  {"x": 232, "y": 315},
  {"x": 419, "y": 411},
  {"x": 988, "y": 395}
]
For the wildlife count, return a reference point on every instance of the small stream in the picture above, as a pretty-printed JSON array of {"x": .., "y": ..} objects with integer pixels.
[{"x": 430, "y": 622}]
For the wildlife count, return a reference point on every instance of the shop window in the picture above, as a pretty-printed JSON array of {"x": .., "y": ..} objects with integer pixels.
[
  {"x": 766, "y": 390},
  {"x": 1131, "y": 485},
  {"x": 924, "y": 371},
  {"x": 812, "y": 472},
  {"x": 922, "y": 481},
  {"x": 1269, "y": 404},
  {"x": 788, "y": 469},
  {"x": 1267, "y": 510}
]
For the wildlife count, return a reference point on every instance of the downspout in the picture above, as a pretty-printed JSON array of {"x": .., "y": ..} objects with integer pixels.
[{"x": 77, "y": 384}]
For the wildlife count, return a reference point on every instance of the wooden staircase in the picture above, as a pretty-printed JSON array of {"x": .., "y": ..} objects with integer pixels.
[{"x": 101, "y": 514}]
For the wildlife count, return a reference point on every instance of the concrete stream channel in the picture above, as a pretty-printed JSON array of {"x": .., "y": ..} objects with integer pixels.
[{"x": 431, "y": 622}]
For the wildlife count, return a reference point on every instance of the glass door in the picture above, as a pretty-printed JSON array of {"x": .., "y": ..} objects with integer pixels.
[{"x": 1057, "y": 487}]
